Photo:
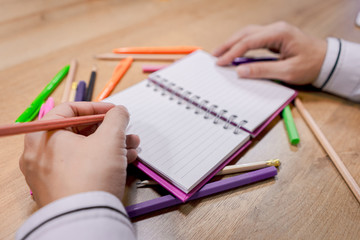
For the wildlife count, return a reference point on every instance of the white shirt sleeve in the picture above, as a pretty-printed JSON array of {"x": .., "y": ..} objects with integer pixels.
[
  {"x": 340, "y": 73},
  {"x": 91, "y": 215}
]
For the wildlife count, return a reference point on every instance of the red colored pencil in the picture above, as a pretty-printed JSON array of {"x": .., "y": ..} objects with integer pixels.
[{"x": 44, "y": 125}]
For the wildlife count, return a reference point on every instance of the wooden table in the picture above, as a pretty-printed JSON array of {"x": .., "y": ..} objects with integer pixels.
[{"x": 307, "y": 200}]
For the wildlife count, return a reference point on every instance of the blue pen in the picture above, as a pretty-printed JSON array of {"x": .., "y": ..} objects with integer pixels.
[{"x": 241, "y": 60}]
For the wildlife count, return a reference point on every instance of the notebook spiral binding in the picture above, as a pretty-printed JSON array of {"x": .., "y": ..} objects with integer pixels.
[{"x": 193, "y": 101}]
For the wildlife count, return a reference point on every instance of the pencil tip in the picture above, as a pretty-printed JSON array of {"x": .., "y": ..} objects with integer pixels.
[{"x": 94, "y": 68}]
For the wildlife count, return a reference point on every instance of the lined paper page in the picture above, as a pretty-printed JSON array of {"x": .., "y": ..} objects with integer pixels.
[
  {"x": 249, "y": 99},
  {"x": 178, "y": 144}
]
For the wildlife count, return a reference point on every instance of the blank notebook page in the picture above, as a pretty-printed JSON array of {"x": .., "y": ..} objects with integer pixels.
[
  {"x": 178, "y": 144},
  {"x": 249, "y": 99}
]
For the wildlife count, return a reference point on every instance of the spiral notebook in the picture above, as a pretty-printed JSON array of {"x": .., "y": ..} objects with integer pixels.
[{"x": 194, "y": 117}]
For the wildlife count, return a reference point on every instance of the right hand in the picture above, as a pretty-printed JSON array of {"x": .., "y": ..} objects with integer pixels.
[
  {"x": 300, "y": 56},
  {"x": 68, "y": 161}
]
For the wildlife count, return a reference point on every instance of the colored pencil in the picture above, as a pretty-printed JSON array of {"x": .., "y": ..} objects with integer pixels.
[
  {"x": 145, "y": 57},
  {"x": 45, "y": 125},
  {"x": 228, "y": 170},
  {"x": 209, "y": 189},
  {"x": 90, "y": 88},
  {"x": 157, "y": 50},
  {"x": 152, "y": 68},
  {"x": 119, "y": 72},
  {"x": 73, "y": 91},
  {"x": 69, "y": 80},
  {"x": 344, "y": 172}
]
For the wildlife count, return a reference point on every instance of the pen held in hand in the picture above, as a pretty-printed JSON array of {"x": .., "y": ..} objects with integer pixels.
[
  {"x": 242, "y": 60},
  {"x": 228, "y": 170}
]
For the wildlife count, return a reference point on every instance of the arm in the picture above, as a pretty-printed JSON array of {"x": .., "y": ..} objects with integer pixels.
[
  {"x": 302, "y": 59},
  {"x": 78, "y": 176}
]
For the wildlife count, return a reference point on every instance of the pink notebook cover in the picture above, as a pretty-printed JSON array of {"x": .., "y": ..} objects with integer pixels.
[{"x": 185, "y": 196}]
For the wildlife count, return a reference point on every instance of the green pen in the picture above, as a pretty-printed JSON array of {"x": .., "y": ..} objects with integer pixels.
[
  {"x": 31, "y": 112},
  {"x": 290, "y": 126}
]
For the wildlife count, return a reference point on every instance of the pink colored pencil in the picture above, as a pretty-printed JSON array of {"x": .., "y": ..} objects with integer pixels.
[
  {"x": 44, "y": 125},
  {"x": 152, "y": 68}
]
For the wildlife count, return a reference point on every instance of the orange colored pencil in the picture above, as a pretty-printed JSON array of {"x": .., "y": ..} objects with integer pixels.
[
  {"x": 157, "y": 50},
  {"x": 119, "y": 72},
  {"x": 44, "y": 125},
  {"x": 140, "y": 57}
]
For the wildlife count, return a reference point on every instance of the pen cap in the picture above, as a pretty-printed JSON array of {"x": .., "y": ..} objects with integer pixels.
[
  {"x": 80, "y": 91},
  {"x": 290, "y": 126}
]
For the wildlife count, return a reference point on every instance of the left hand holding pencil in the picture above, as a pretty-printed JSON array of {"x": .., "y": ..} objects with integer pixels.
[{"x": 64, "y": 162}]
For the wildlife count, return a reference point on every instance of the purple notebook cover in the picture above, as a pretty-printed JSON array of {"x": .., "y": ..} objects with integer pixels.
[{"x": 185, "y": 196}]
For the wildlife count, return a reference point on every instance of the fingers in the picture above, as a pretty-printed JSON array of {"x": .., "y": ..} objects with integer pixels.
[
  {"x": 266, "y": 39},
  {"x": 132, "y": 141},
  {"x": 75, "y": 109},
  {"x": 235, "y": 38},
  {"x": 272, "y": 37},
  {"x": 131, "y": 155},
  {"x": 279, "y": 70},
  {"x": 115, "y": 123}
]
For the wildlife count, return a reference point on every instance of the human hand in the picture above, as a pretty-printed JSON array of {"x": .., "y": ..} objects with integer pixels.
[
  {"x": 64, "y": 162},
  {"x": 300, "y": 56}
]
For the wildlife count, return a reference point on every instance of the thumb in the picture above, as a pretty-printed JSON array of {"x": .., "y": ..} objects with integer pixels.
[
  {"x": 279, "y": 70},
  {"x": 114, "y": 123}
]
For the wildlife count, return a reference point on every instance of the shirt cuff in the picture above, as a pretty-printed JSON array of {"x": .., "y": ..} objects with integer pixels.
[
  {"x": 340, "y": 73},
  {"x": 68, "y": 216},
  {"x": 329, "y": 62}
]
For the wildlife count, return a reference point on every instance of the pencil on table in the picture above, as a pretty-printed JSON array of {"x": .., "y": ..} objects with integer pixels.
[
  {"x": 152, "y": 68},
  {"x": 69, "y": 81},
  {"x": 158, "y": 50},
  {"x": 350, "y": 181},
  {"x": 90, "y": 88},
  {"x": 147, "y": 57},
  {"x": 228, "y": 170},
  {"x": 73, "y": 92}
]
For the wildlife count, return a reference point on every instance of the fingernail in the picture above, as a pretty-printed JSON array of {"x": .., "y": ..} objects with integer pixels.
[
  {"x": 138, "y": 149},
  {"x": 243, "y": 71}
]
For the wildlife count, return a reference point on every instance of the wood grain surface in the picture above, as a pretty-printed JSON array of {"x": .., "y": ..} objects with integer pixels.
[{"x": 307, "y": 200}]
